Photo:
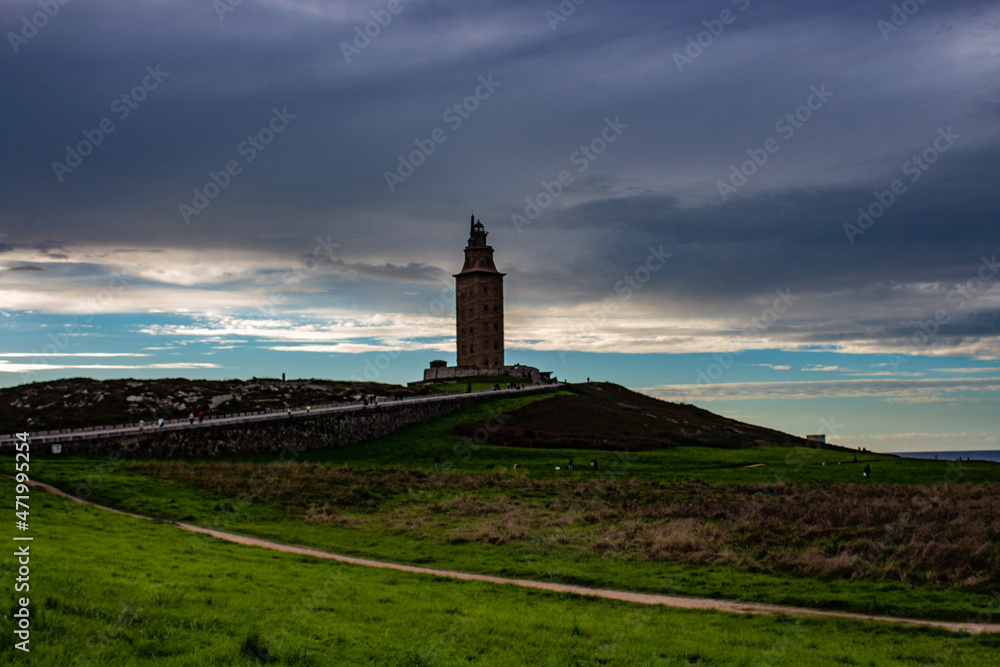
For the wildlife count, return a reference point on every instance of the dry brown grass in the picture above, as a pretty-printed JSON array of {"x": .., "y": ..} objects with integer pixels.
[
  {"x": 943, "y": 534},
  {"x": 329, "y": 516},
  {"x": 511, "y": 526}
]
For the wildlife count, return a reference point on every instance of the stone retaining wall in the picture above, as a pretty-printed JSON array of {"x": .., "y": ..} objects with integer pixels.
[{"x": 324, "y": 431}]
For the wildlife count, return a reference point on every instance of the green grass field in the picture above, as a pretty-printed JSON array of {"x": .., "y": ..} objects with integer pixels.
[
  {"x": 389, "y": 505},
  {"x": 113, "y": 591}
]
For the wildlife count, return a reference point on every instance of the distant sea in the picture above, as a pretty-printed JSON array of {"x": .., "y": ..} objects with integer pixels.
[{"x": 981, "y": 455}]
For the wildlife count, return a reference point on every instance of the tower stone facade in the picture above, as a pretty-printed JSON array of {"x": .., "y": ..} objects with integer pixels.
[{"x": 479, "y": 303}]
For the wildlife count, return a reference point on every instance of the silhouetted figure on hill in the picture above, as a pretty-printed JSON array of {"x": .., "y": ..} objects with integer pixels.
[
  {"x": 593, "y": 465},
  {"x": 569, "y": 466},
  {"x": 437, "y": 461},
  {"x": 868, "y": 470}
]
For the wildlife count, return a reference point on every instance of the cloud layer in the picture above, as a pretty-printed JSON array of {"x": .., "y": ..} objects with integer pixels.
[{"x": 816, "y": 176}]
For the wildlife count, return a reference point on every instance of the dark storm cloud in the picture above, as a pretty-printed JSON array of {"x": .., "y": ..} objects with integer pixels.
[
  {"x": 936, "y": 232},
  {"x": 558, "y": 85},
  {"x": 414, "y": 272}
]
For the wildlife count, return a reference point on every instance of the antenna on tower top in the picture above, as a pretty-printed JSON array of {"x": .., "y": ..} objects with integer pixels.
[{"x": 472, "y": 222}]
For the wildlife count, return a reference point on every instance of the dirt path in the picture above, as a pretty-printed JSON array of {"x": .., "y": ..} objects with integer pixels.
[{"x": 626, "y": 596}]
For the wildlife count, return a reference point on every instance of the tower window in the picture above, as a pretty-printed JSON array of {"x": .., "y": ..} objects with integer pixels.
[
  {"x": 495, "y": 326},
  {"x": 486, "y": 290},
  {"x": 471, "y": 350},
  {"x": 496, "y": 346},
  {"x": 470, "y": 329},
  {"x": 486, "y": 308}
]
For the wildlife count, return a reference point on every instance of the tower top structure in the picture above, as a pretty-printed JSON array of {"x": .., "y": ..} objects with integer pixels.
[{"x": 478, "y": 255}]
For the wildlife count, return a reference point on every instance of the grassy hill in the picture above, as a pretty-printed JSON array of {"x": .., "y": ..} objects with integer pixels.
[
  {"x": 788, "y": 525},
  {"x": 593, "y": 416},
  {"x": 755, "y": 516},
  {"x": 605, "y": 416}
]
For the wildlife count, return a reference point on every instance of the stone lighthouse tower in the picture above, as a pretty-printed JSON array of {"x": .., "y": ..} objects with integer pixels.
[{"x": 479, "y": 302}]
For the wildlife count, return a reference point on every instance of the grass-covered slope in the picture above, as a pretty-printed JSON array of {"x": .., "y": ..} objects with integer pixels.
[
  {"x": 115, "y": 591},
  {"x": 786, "y": 525},
  {"x": 605, "y": 416}
]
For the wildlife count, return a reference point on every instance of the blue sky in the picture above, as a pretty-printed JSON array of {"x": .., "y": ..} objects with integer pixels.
[{"x": 783, "y": 212}]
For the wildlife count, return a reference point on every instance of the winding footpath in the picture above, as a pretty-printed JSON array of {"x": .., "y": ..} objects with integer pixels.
[{"x": 626, "y": 596}]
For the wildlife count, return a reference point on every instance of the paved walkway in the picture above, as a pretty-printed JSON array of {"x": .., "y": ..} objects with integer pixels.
[
  {"x": 641, "y": 598},
  {"x": 93, "y": 432}
]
